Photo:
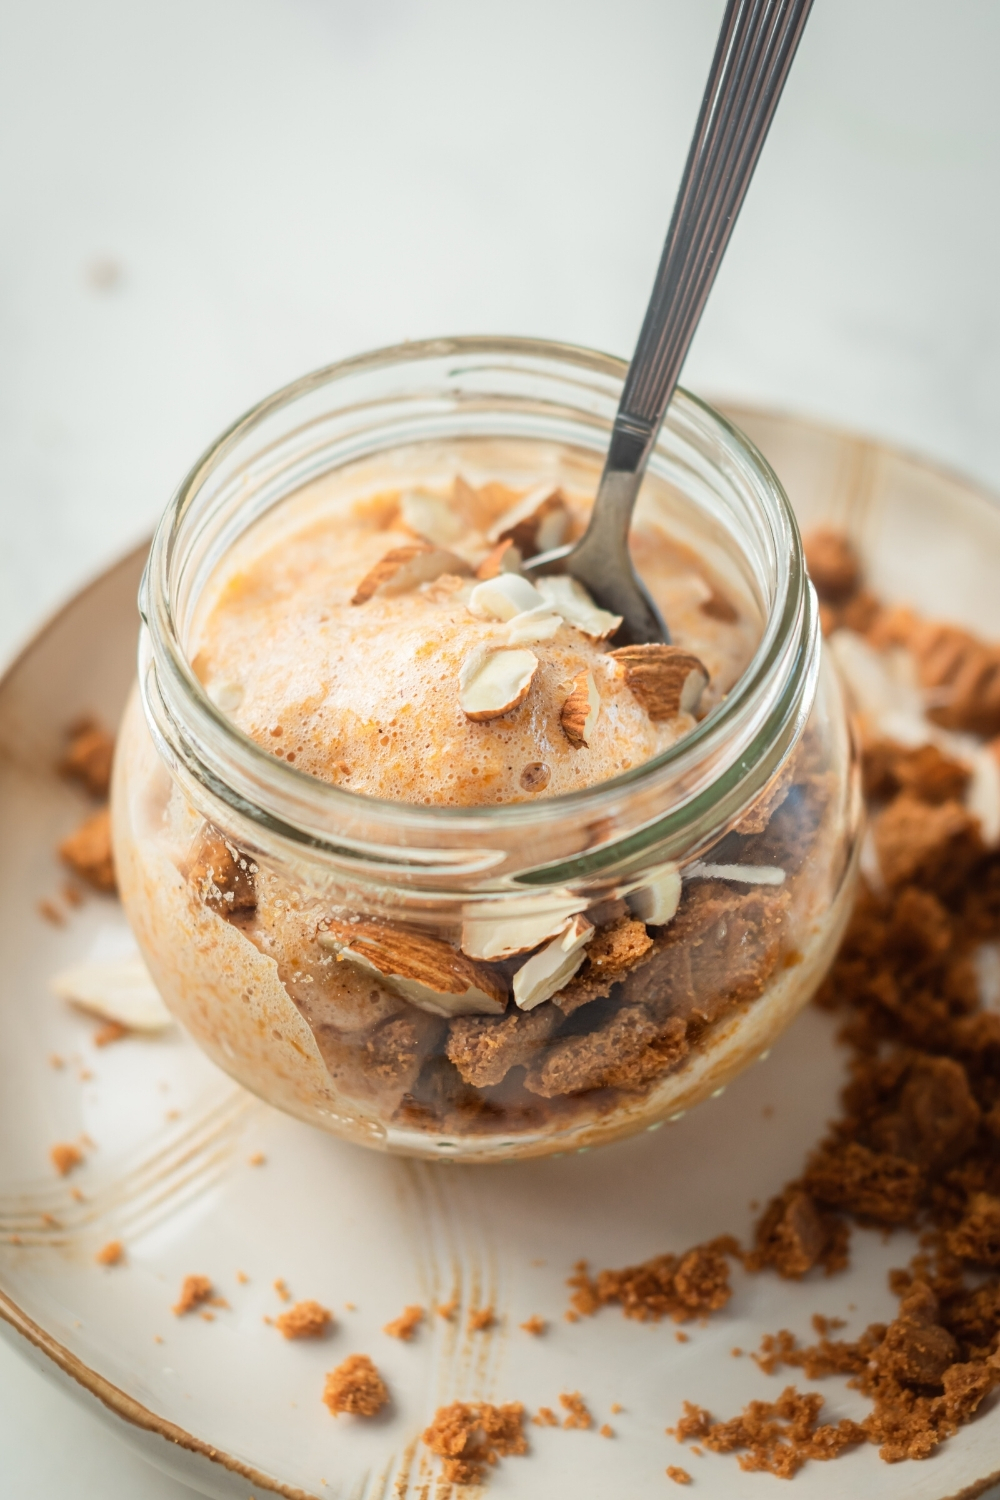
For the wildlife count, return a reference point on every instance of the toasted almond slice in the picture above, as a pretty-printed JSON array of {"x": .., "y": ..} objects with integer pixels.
[
  {"x": 666, "y": 679},
  {"x": 424, "y": 970},
  {"x": 116, "y": 989},
  {"x": 503, "y": 558},
  {"x": 741, "y": 874},
  {"x": 503, "y": 597},
  {"x": 657, "y": 901},
  {"x": 576, "y": 606},
  {"x": 539, "y": 624},
  {"x": 499, "y": 935},
  {"x": 493, "y": 682},
  {"x": 537, "y": 523},
  {"x": 546, "y": 972},
  {"x": 406, "y": 568},
  {"x": 431, "y": 517},
  {"x": 983, "y": 795},
  {"x": 581, "y": 710}
]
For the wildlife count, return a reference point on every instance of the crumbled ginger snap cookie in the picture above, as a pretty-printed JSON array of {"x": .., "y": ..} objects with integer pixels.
[
  {"x": 355, "y": 1386},
  {"x": 916, "y": 1142},
  {"x": 306, "y": 1320},
  {"x": 88, "y": 755},
  {"x": 470, "y": 1436},
  {"x": 87, "y": 851}
]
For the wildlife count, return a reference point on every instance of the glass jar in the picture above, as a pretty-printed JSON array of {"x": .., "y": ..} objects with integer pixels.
[{"x": 736, "y": 847}]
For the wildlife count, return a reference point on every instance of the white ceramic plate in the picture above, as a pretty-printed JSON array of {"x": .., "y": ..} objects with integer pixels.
[{"x": 231, "y": 1407}]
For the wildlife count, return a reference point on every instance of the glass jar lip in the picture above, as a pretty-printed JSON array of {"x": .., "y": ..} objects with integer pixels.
[{"x": 326, "y": 798}]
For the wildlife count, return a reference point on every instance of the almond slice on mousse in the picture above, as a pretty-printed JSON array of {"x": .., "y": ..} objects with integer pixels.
[
  {"x": 537, "y": 523},
  {"x": 503, "y": 558},
  {"x": 581, "y": 710},
  {"x": 577, "y": 608},
  {"x": 424, "y": 970},
  {"x": 492, "y": 682},
  {"x": 406, "y": 568},
  {"x": 503, "y": 597},
  {"x": 666, "y": 679},
  {"x": 547, "y": 971},
  {"x": 431, "y": 517}
]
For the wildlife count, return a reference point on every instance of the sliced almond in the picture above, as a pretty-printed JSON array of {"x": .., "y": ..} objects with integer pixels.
[
  {"x": 539, "y": 624},
  {"x": 406, "y": 568},
  {"x": 741, "y": 874},
  {"x": 666, "y": 679},
  {"x": 424, "y": 970},
  {"x": 503, "y": 558},
  {"x": 983, "y": 795},
  {"x": 431, "y": 517},
  {"x": 581, "y": 710},
  {"x": 577, "y": 608},
  {"x": 492, "y": 682},
  {"x": 503, "y": 597},
  {"x": 537, "y": 523},
  {"x": 657, "y": 901},
  {"x": 546, "y": 972},
  {"x": 116, "y": 989},
  {"x": 498, "y": 934}
]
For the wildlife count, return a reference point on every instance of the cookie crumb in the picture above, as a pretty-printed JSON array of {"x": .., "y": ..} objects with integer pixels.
[
  {"x": 51, "y": 913},
  {"x": 257, "y": 1159},
  {"x": 578, "y": 1415},
  {"x": 87, "y": 757},
  {"x": 281, "y": 1287},
  {"x": 678, "y": 1475},
  {"x": 606, "y": 1430},
  {"x": 242, "y": 1278},
  {"x": 682, "y": 1337},
  {"x": 677, "y": 1286},
  {"x": 545, "y": 1417},
  {"x": 405, "y": 1326},
  {"x": 110, "y": 1254},
  {"x": 111, "y": 1031},
  {"x": 469, "y": 1437},
  {"x": 306, "y": 1320},
  {"x": 194, "y": 1291},
  {"x": 616, "y": 1407},
  {"x": 535, "y": 1325},
  {"x": 87, "y": 851},
  {"x": 355, "y": 1386},
  {"x": 481, "y": 1319},
  {"x": 447, "y": 1310},
  {"x": 65, "y": 1157}
]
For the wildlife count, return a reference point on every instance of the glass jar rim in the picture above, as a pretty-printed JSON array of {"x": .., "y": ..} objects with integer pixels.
[{"x": 193, "y": 722}]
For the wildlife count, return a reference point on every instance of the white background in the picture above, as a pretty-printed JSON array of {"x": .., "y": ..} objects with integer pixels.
[{"x": 201, "y": 199}]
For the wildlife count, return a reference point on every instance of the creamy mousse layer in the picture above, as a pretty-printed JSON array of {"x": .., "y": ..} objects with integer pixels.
[{"x": 397, "y": 650}]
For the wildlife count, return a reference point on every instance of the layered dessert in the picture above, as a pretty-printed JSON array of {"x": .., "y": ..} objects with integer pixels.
[{"x": 399, "y": 650}]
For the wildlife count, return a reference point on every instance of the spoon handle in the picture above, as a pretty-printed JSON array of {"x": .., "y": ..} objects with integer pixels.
[{"x": 754, "y": 53}]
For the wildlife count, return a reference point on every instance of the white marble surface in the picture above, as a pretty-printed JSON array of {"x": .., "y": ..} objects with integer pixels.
[{"x": 203, "y": 198}]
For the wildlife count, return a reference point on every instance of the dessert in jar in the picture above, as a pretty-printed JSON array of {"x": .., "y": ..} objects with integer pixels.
[{"x": 412, "y": 847}]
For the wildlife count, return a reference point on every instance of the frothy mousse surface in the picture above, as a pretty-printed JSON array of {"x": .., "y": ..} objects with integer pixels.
[{"x": 373, "y": 649}]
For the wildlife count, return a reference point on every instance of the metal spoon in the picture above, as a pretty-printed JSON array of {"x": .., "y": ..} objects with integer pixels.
[{"x": 754, "y": 53}]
